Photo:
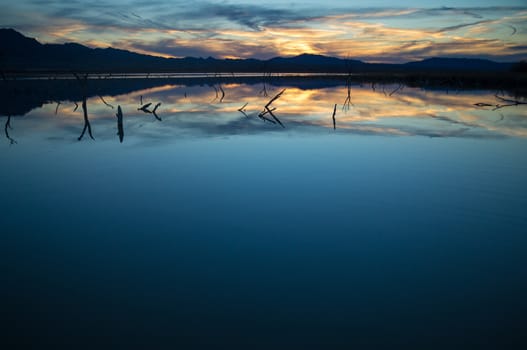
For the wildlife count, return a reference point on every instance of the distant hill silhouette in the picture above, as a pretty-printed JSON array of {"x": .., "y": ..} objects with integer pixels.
[
  {"x": 473, "y": 64},
  {"x": 20, "y": 53}
]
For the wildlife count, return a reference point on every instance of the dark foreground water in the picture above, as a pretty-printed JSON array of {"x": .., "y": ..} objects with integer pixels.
[{"x": 405, "y": 226}]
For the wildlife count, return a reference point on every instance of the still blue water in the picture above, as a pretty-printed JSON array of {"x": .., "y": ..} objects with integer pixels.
[{"x": 210, "y": 228}]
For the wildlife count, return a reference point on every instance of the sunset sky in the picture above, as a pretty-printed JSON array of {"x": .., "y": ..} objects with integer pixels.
[{"x": 370, "y": 30}]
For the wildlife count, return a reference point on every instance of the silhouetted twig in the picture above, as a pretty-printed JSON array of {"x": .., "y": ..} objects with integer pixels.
[
  {"x": 242, "y": 109},
  {"x": 106, "y": 103},
  {"x": 508, "y": 103},
  {"x": 83, "y": 81},
  {"x": 264, "y": 90},
  {"x": 268, "y": 110},
  {"x": 155, "y": 109},
  {"x": 222, "y": 94},
  {"x": 120, "y": 128},
  {"x": 274, "y": 98},
  {"x": 333, "y": 117},
  {"x": 76, "y": 106},
  {"x": 57, "y": 108},
  {"x": 396, "y": 89},
  {"x": 144, "y": 108},
  {"x": 6, "y": 130}
]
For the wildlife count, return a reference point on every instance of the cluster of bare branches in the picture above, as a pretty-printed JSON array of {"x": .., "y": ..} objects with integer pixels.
[
  {"x": 269, "y": 110},
  {"x": 506, "y": 102},
  {"x": 218, "y": 90},
  {"x": 144, "y": 108}
]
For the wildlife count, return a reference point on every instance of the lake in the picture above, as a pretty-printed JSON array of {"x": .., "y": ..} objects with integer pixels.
[{"x": 396, "y": 218}]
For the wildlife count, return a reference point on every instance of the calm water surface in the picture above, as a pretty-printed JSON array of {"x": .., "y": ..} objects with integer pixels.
[{"x": 402, "y": 223}]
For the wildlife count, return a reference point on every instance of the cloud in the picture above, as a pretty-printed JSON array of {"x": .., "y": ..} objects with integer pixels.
[{"x": 244, "y": 29}]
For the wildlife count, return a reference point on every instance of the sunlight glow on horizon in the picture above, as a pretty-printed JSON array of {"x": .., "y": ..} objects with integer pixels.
[{"x": 239, "y": 29}]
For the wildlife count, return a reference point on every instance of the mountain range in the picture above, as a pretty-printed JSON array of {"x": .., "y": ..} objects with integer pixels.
[{"x": 20, "y": 53}]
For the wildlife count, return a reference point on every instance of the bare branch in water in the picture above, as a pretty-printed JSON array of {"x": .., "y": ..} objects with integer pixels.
[
  {"x": 274, "y": 98},
  {"x": 144, "y": 108},
  {"x": 83, "y": 81},
  {"x": 264, "y": 90},
  {"x": 86, "y": 120},
  {"x": 76, "y": 106},
  {"x": 6, "y": 130},
  {"x": 242, "y": 109},
  {"x": 270, "y": 111},
  {"x": 347, "y": 102},
  {"x": 155, "y": 109},
  {"x": 263, "y": 117},
  {"x": 222, "y": 94},
  {"x": 106, "y": 103},
  {"x": 397, "y": 89},
  {"x": 508, "y": 103},
  {"x": 216, "y": 91},
  {"x": 266, "y": 111},
  {"x": 333, "y": 117},
  {"x": 57, "y": 108},
  {"x": 141, "y": 100},
  {"x": 120, "y": 128}
]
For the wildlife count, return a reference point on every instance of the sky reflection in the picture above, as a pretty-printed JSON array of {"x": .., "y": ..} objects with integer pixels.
[{"x": 204, "y": 110}]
